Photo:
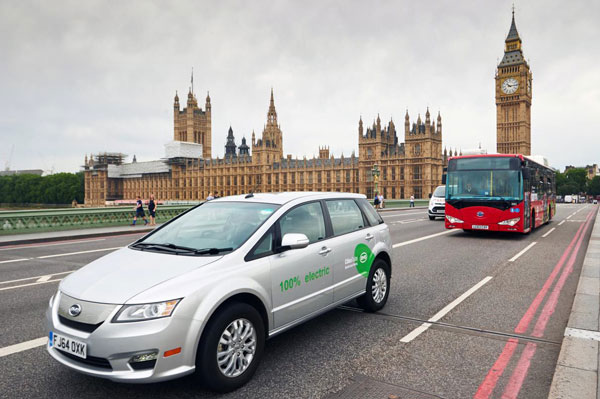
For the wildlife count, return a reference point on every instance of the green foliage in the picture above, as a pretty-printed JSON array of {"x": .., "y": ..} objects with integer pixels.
[
  {"x": 60, "y": 188},
  {"x": 594, "y": 186},
  {"x": 573, "y": 181}
]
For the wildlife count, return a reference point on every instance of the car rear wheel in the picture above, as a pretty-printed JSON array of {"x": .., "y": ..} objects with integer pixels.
[
  {"x": 378, "y": 287},
  {"x": 231, "y": 347}
]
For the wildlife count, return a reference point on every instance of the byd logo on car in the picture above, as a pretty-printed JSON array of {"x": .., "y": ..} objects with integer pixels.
[
  {"x": 480, "y": 214},
  {"x": 363, "y": 257},
  {"x": 74, "y": 310}
]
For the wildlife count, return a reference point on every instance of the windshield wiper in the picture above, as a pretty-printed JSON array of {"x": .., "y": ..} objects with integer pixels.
[
  {"x": 211, "y": 251},
  {"x": 180, "y": 249},
  {"x": 165, "y": 247}
]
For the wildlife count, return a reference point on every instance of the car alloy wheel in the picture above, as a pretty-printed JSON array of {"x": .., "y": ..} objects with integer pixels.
[
  {"x": 236, "y": 348},
  {"x": 379, "y": 286}
]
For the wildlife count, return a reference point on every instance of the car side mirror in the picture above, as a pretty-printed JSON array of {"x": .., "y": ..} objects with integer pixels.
[
  {"x": 444, "y": 179},
  {"x": 294, "y": 241}
]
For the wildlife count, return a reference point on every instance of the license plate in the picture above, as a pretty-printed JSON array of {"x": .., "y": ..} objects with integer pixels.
[
  {"x": 480, "y": 227},
  {"x": 68, "y": 345}
]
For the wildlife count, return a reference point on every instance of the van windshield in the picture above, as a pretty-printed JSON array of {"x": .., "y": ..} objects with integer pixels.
[
  {"x": 440, "y": 192},
  {"x": 211, "y": 228}
]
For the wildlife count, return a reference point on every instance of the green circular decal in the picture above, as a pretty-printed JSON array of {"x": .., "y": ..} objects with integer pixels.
[{"x": 364, "y": 259}]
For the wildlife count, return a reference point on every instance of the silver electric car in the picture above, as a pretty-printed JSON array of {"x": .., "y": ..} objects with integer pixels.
[{"x": 204, "y": 291}]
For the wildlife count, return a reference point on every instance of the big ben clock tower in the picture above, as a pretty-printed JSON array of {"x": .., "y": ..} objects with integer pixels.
[{"x": 513, "y": 98}]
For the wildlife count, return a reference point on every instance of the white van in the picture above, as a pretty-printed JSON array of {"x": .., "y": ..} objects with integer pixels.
[{"x": 437, "y": 203}]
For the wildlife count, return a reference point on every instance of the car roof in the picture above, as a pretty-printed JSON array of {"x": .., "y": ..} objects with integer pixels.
[{"x": 285, "y": 197}]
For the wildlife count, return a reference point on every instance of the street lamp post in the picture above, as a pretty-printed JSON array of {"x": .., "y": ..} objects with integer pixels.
[{"x": 375, "y": 174}]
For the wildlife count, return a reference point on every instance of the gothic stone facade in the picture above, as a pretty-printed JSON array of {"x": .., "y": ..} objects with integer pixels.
[
  {"x": 513, "y": 98},
  {"x": 410, "y": 168}
]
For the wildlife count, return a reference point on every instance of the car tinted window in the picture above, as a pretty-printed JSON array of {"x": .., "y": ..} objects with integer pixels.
[
  {"x": 305, "y": 219},
  {"x": 264, "y": 246},
  {"x": 372, "y": 216},
  {"x": 345, "y": 216}
]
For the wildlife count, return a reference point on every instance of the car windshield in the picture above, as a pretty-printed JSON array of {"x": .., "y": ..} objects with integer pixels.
[
  {"x": 440, "y": 192},
  {"x": 484, "y": 184},
  {"x": 211, "y": 228}
]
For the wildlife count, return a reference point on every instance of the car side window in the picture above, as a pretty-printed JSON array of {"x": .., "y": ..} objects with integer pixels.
[
  {"x": 345, "y": 216},
  {"x": 372, "y": 216},
  {"x": 263, "y": 248},
  {"x": 305, "y": 219}
]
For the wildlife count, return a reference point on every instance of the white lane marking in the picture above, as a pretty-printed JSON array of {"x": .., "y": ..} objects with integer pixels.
[
  {"x": 401, "y": 244},
  {"x": 26, "y": 246},
  {"x": 15, "y": 260},
  {"x": 583, "y": 334},
  {"x": 43, "y": 279},
  {"x": 570, "y": 216},
  {"x": 23, "y": 346},
  {"x": 548, "y": 233},
  {"x": 514, "y": 258},
  {"x": 29, "y": 285},
  {"x": 562, "y": 222},
  {"x": 423, "y": 327},
  {"x": 34, "y": 278},
  {"x": 77, "y": 253}
]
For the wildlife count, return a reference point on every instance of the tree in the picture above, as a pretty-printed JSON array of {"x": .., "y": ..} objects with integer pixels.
[
  {"x": 594, "y": 186},
  {"x": 60, "y": 188}
]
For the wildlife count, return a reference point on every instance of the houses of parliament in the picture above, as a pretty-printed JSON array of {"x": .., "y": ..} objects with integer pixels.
[{"x": 189, "y": 172}]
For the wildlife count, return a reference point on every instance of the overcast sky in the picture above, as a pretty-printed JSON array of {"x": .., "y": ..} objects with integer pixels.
[{"x": 80, "y": 77}]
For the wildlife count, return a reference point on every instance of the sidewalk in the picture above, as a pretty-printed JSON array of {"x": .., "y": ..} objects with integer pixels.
[
  {"x": 576, "y": 374},
  {"x": 49, "y": 236}
]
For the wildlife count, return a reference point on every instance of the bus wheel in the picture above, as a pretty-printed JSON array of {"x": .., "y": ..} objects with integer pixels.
[{"x": 532, "y": 220}]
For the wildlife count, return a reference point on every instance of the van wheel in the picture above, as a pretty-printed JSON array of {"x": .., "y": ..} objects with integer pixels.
[
  {"x": 378, "y": 287},
  {"x": 230, "y": 348}
]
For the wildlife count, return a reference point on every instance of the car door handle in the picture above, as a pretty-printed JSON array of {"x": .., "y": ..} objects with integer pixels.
[
  {"x": 369, "y": 236},
  {"x": 324, "y": 251}
]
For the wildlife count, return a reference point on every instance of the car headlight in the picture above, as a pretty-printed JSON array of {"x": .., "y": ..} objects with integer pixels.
[
  {"x": 452, "y": 219},
  {"x": 148, "y": 311},
  {"x": 510, "y": 222}
]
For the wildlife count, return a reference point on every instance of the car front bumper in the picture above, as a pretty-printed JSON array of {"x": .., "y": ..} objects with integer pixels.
[{"x": 112, "y": 345}]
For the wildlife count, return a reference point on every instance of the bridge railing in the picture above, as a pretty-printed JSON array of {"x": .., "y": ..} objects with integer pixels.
[
  {"x": 25, "y": 221},
  {"x": 39, "y": 220}
]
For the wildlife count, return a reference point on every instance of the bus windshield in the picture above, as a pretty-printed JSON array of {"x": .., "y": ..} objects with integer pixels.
[{"x": 501, "y": 184}]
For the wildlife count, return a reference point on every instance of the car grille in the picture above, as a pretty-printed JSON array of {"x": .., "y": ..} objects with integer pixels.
[
  {"x": 76, "y": 325},
  {"x": 98, "y": 362},
  {"x": 438, "y": 209}
]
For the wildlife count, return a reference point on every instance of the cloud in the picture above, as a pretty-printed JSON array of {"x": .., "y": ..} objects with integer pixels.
[{"x": 89, "y": 77}]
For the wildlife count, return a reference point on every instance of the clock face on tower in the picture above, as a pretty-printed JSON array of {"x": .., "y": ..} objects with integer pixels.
[{"x": 510, "y": 85}]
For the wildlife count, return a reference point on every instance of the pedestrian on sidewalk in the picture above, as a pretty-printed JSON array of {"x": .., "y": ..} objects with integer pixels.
[
  {"x": 210, "y": 196},
  {"x": 139, "y": 211},
  {"x": 152, "y": 210},
  {"x": 381, "y": 201},
  {"x": 412, "y": 201},
  {"x": 376, "y": 200},
  {"x": 217, "y": 195}
]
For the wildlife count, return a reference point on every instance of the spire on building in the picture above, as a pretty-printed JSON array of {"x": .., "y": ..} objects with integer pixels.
[
  {"x": 272, "y": 114},
  {"x": 513, "y": 34},
  {"x": 244, "y": 149},
  {"x": 230, "y": 147}
]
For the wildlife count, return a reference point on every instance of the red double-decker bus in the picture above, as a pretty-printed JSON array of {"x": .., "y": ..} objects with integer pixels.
[{"x": 499, "y": 192}]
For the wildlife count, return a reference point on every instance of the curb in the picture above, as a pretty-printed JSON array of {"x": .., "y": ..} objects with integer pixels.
[
  {"x": 401, "y": 209},
  {"x": 70, "y": 235},
  {"x": 576, "y": 373}
]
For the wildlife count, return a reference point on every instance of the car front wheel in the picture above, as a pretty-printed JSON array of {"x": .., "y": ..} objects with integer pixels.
[
  {"x": 378, "y": 287},
  {"x": 231, "y": 347}
]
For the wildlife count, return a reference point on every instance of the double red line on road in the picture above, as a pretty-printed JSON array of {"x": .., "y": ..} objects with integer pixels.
[{"x": 520, "y": 372}]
